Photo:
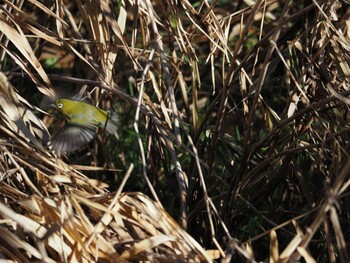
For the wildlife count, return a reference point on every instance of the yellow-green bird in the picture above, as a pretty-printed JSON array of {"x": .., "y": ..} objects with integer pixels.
[{"x": 83, "y": 120}]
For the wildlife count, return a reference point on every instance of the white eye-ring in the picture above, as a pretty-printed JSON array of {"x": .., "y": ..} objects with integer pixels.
[{"x": 60, "y": 105}]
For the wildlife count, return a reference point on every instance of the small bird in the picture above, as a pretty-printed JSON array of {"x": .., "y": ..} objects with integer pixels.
[{"x": 83, "y": 121}]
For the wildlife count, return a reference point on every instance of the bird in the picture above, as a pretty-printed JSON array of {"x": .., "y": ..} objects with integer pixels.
[{"x": 83, "y": 122}]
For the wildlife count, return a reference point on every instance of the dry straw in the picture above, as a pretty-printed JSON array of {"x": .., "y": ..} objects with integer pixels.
[{"x": 239, "y": 128}]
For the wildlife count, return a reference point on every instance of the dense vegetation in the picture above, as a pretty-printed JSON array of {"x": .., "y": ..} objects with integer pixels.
[{"x": 233, "y": 131}]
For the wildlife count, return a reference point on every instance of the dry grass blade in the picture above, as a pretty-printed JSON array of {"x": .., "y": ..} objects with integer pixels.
[
  {"x": 19, "y": 115},
  {"x": 17, "y": 37},
  {"x": 146, "y": 245},
  {"x": 343, "y": 249},
  {"x": 108, "y": 14},
  {"x": 31, "y": 25},
  {"x": 274, "y": 254},
  {"x": 167, "y": 232}
]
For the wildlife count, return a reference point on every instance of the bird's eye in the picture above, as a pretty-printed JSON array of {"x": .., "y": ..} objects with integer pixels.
[{"x": 60, "y": 105}]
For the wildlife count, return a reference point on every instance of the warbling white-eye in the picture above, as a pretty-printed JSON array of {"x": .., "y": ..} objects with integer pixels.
[{"x": 83, "y": 120}]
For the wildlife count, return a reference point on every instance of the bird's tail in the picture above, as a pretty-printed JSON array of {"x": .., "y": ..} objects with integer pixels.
[{"x": 111, "y": 123}]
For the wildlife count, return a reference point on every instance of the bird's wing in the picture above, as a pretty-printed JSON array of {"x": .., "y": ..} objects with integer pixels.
[{"x": 71, "y": 138}]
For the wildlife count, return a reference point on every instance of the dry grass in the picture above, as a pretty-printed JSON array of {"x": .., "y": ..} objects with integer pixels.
[{"x": 234, "y": 120}]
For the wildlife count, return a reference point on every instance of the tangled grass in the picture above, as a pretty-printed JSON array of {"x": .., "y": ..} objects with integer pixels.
[{"x": 233, "y": 140}]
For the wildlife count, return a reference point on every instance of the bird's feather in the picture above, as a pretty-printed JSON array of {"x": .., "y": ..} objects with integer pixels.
[
  {"x": 111, "y": 122},
  {"x": 72, "y": 137}
]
